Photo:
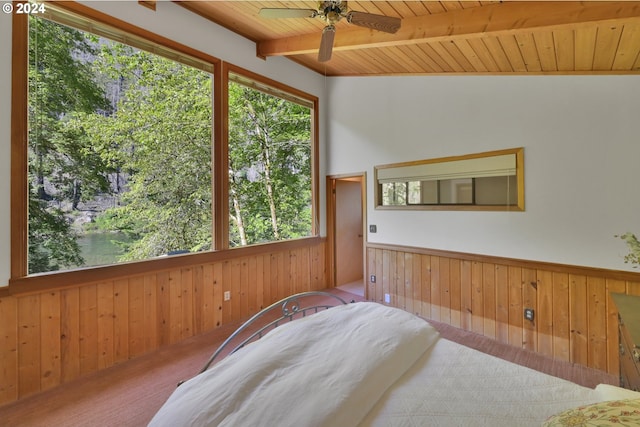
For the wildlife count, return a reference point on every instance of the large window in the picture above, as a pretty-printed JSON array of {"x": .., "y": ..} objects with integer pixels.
[
  {"x": 119, "y": 151},
  {"x": 270, "y": 194},
  {"x": 120, "y": 145}
]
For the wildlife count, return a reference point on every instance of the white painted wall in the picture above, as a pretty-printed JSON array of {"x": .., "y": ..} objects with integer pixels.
[
  {"x": 173, "y": 22},
  {"x": 582, "y": 156}
]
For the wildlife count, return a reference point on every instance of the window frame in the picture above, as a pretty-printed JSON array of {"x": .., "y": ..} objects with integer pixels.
[{"x": 19, "y": 276}]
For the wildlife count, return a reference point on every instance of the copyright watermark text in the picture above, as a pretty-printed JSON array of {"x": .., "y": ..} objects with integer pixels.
[{"x": 24, "y": 8}]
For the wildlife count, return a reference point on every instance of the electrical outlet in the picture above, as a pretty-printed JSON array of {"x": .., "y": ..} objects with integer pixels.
[
  {"x": 372, "y": 279},
  {"x": 387, "y": 298},
  {"x": 528, "y": 314},
  {"x": 227, "y": 295}
]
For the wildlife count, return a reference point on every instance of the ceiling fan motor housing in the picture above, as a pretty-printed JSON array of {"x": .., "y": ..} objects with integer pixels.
[{"x": 332, "y": 11}]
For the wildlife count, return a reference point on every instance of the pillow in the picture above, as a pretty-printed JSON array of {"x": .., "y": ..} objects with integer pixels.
[
  {"x": 612, "y": 392},
  {"x": 611, "y": 413}
]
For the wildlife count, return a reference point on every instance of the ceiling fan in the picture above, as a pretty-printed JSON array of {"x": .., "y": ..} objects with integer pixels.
[{"x": 331, "y": 12}]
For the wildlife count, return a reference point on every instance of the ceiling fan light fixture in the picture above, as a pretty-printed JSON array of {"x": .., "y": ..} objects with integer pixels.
[{"x": 332, "y": 12}]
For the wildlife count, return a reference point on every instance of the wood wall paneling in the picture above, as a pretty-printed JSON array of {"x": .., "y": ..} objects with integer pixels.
[
  {"x": 29, "y": 345},
  {"x": 578, "y": 321},
  {"x": 51, "y": 337},
  {"x": 8, "y": 349},
  {"x": 516, "y": 310},
  {"x": 502, "y": 303},
  {"x": 575, "y": 319},
  {"x": 69, "y": 334},
  {"x": 50, "y": 368},
  {"x": 55, "y": 336}
]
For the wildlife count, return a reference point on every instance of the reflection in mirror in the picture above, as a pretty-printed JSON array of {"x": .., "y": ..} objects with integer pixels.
[{"x": 485, "y": 181}]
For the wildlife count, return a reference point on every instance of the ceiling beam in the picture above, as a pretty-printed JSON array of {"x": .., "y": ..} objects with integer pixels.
[{"x": 495, "y": 19}]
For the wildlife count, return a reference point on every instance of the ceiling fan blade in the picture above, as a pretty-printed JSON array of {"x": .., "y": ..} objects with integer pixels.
[
  {"x": 288, "y": 13},
  {"x": 388, "y": 24},
  {"x": 326, "y": 44}
]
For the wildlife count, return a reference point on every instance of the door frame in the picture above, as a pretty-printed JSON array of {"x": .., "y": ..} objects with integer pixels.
[{"x": 330, "y": 259}]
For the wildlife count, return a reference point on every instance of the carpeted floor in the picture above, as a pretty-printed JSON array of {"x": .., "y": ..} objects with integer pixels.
[
  {"x": 124, "y": 395},
  {"x": 128, "y": 395}
]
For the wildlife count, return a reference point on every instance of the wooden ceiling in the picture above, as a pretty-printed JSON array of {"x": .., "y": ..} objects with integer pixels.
[{"x": 449, "y": 37}]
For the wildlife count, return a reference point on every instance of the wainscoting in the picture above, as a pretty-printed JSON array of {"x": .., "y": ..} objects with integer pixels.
[
  {"x": 51, "y": 336},
  {"x": 575, "y": 318}
]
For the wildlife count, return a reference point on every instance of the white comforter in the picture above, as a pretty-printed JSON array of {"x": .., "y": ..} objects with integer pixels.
[
  {"x": 366, "y": 364},
  {"x": 328, "y": 369},
  {"x": 456, "y": 386}
]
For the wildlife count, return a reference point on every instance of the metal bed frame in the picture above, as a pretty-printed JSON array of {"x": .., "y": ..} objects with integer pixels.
[{"x": 290, "y": 307}]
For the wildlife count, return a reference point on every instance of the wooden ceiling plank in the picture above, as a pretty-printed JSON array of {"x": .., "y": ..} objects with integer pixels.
[
  {"x": 387, "y": 63},
  {"x": 585, "y": 45},
  {"x": 243, "y": 17},
  {"x": 451, "y": 5},
  {"x": 367, "y": 62},
  {"x": 468, "y": 3},
  {"x": 346, "y": 65},
  {"x": 512, "y": 50},
  {"x": 629, "y": 48},
  {"x": 546, "y": 50},
  {"x": 500, "y": 18},
  {"x": 205, "y": 10},
  {"x": 445, "y": 56},
  {"x": 471, "y": 56},
  {"x": 438, "y": 63},
  {"x": 564, "y": 48},
  {"x": 434, "y": 7},
  {"x": 401, "y": 7},
  {"x": 452, "y": 48},
  {"x": 402, "y": 61},
  {"x": 527, "y": 46},
  {"x": 498, "y": 54},
  {"x": 338, "y": 65},
  {"x": 225, "y": 16},
  {"x": 435, "y": 62},
  {"x": 387, "y": 9},
  {"x": 423, "y": 62},
  {"x": 417, "y": 8},
  {"x": 369, "y": 7},
  {"x": 480, "y": 49},
  {"x": 606, "y": 46},
  {"x": 311, "y": 61},
  {"x": 386, "y": 60}
]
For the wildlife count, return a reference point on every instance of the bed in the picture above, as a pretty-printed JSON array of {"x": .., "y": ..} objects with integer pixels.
[{"x": 367, "y": 364}]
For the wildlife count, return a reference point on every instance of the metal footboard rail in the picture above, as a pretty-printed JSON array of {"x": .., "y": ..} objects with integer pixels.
[{"x": 290, "y": 307}]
